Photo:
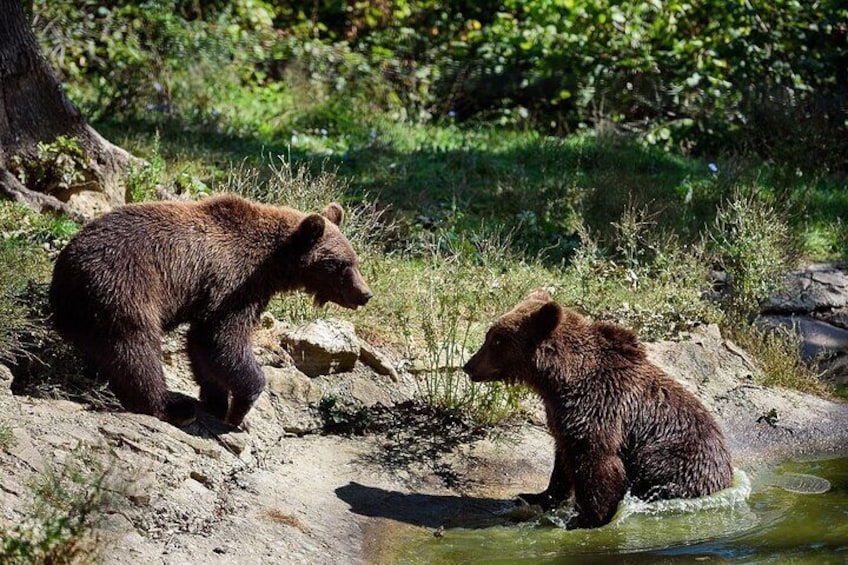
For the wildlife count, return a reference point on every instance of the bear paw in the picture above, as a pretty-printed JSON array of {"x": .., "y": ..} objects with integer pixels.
[
  {"x": 181, "y": 410},
  {"x": 542, "y": 499}
]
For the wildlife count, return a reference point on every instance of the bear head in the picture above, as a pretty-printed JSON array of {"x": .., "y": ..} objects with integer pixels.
[
  {"x": 511, "y": 343},
  {"x": 329, "y": 267}
]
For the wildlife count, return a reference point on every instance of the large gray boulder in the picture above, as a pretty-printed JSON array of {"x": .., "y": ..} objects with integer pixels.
[{"x": 813, "y": 303}]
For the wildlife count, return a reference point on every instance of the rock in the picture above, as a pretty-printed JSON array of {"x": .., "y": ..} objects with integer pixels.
[
  {"x": 815, "y": 288},
  {"x": 367, "y": 394},
  {"x": 835, "y": 369},
  {"x": 323, "y": 347},
  {"x": 292, "y": 397},
  {"x": 290, "y": 384},
  {"x": 818, "y": 338},
  {"x": 814, "y": 304},
  {"x": 377, "y": 360},
  {"x": 138, "y": 490},
  {"x": 91, "y": 203},
  {"x": 6, "y": 379},
  {"x": 237, "y": 443},
  {"x": 23, "y": 448},
  {"x": 723, "y": 379}
]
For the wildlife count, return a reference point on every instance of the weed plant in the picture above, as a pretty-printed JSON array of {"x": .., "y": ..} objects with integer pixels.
[
  {"x": 778, "y": 352},
  {"x": 69, "y": 504}
]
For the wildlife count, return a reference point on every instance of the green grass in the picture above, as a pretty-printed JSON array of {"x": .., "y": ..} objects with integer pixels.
[
  {"x": 7, "y": 438},
  {"x": 778, "y": 353},
  {"x": 454, "y": 223}
]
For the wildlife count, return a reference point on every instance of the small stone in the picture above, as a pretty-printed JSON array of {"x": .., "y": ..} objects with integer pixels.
[
  {"x": 377, "y": 360},
  {"x": 6, "y": 378},
  {"x": 202, "y": 478}
]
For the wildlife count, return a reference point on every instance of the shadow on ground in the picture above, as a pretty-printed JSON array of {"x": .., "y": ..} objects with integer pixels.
[{"x": 424, "y": 510}]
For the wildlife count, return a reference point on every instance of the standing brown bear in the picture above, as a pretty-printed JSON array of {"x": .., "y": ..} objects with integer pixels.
[
  {"x": 142, "y": 269},
  {"x": 618, "y": 421}
]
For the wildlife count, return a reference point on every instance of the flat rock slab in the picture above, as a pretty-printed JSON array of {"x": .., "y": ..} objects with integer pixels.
[
  {"x": 819, "y": 339},
  {"x": 815, "y": 288}
]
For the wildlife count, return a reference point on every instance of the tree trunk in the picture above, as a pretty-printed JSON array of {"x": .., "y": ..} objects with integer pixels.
[{"x": 34, "y": 109}]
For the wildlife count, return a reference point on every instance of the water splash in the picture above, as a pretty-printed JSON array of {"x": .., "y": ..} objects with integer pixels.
[{"x": 737, "y": 493}]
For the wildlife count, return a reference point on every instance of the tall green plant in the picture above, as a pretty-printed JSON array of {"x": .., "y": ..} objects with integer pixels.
[{"x": 752, "y": 242}]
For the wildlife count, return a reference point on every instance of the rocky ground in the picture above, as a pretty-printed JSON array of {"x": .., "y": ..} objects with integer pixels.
[{"x": 280, "y": 491}]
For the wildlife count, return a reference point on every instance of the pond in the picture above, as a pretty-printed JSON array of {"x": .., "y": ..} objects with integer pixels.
[{"x": 778, "y": 516}]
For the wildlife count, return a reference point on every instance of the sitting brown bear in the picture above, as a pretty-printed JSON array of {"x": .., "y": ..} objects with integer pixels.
[
  {"x": 141, "y": 270},
  {"x": 618, "y": 421}
]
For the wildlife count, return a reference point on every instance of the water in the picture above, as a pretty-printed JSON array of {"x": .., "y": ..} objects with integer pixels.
[{"x": 795, "y": 513}]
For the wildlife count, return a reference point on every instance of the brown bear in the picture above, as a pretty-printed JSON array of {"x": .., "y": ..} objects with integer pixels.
[
  {"x": 142, "y": 269},
  {"x": 619, "y": 423}
]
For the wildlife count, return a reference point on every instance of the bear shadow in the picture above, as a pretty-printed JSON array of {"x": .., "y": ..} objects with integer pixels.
[{"x": 424, "y": 510}]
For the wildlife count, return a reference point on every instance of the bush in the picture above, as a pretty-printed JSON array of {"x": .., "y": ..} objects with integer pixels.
[
  {"x": 650, "y": 282},
  {"x": 68, "y": 506},
  {"x": 752, "y": 243},
  {"x": 24, "y": 268},
  {"x": 762, "y": 76}
]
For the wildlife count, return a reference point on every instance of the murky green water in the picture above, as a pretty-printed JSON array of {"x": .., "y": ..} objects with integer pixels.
[{"x": 752, "y": 522}]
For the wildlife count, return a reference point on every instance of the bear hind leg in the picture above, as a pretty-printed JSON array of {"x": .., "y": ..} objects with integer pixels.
[{"x": 133, "y": 367}]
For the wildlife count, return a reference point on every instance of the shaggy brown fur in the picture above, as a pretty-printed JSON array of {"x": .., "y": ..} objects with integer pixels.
[
  {"x": 618, "y": 421},
  {"x": 141, "y": 270}
]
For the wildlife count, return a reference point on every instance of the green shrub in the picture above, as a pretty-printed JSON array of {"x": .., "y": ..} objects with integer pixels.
[
  {"x": 56, "y": 166},
  {"x": 7, "y": 438},
  {"x": 650, "y": 282},
  {"x": 753, "y": 244},
  {"x": 69, "y": 504},
  {"x": 24, "y": 265}
]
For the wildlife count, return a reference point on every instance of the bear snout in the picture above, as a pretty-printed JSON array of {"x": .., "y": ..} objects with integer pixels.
[{"x": 470, "y": 368}]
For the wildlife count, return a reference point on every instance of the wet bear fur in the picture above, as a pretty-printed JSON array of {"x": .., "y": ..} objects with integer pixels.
[{"x": 619, "y": 423}]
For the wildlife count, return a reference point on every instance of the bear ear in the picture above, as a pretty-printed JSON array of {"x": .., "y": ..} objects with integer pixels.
[
  {"x": 546, "y": 319},
  {"x": 539, "y": 294},
  {"x": 334, "y": 212},
  {"x": 309, "y": 231}
]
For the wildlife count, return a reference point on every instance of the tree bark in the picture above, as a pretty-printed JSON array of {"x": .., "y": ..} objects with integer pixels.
[{"x": 34, "y": 108}]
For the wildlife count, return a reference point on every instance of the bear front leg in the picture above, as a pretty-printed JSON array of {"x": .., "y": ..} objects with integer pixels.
[
  {"x": 214, "y": 396},
  {"x": 231, "y": 362},
  {"x": 559, "y": 488},
  {"x": 600, "y": 484}
]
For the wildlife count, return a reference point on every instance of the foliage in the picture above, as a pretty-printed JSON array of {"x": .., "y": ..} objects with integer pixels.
[
  {"x": 752, "y": 243},
  {"x": 650, "y": 282},
  {"x": 142, "y": 179},
  {"x": 761, "y": 76},
  {"x": 68, "y": 505},
  {"x": 23, "y": 265},
  {"x": 56, "y": 166},
  {"x": 339, "y": 419},
  {"x": 7, "y": 438}
]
